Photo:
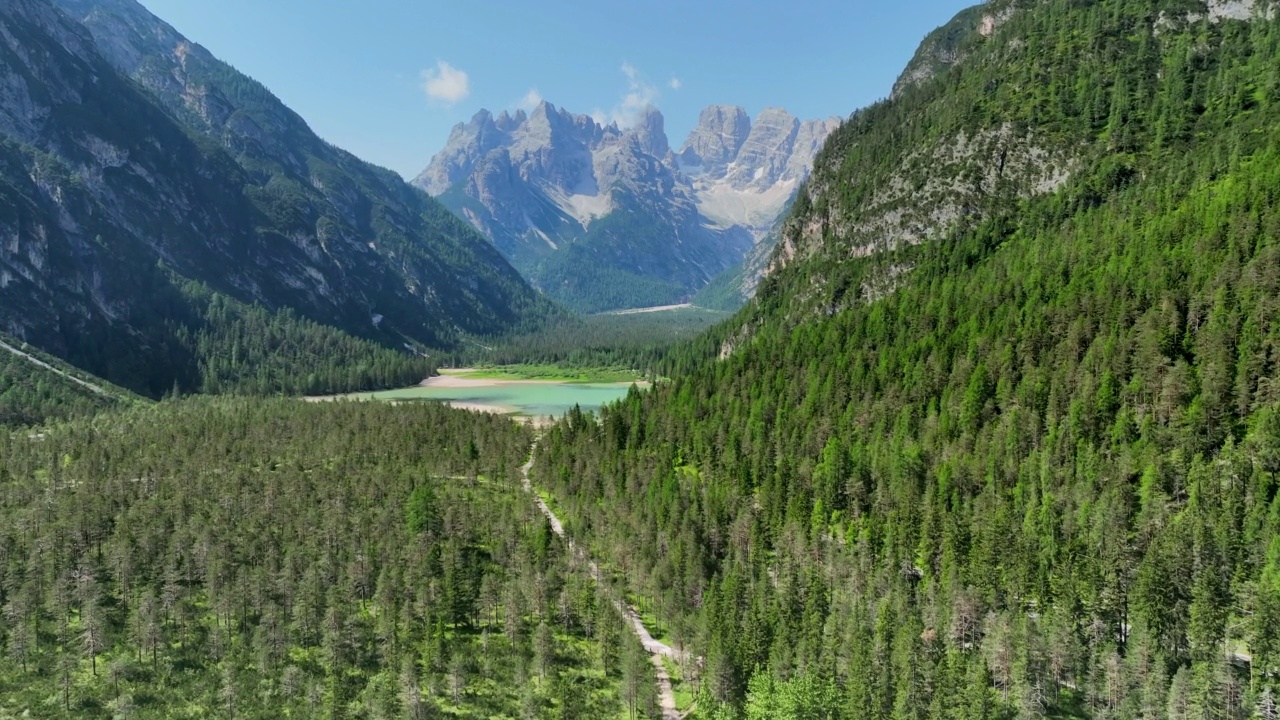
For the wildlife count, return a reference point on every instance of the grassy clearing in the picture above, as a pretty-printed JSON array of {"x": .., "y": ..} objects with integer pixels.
[{"x": 546, "y": 372}]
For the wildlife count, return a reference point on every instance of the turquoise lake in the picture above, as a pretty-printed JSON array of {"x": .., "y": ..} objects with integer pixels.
[{"x": 535, "y": 399}]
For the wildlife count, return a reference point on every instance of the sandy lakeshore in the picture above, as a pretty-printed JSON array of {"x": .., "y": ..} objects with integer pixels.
[
  {"x": 459, "y": 404},
  {"x": 459, "y": 379},
  {"x": 526, "y": 400},
  {"x": 480, "y": 407}
]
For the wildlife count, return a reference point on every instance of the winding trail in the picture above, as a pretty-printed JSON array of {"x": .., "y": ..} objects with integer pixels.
[
  {"x": 37, "y": 361},
  {"x": 657, "y": 649}
]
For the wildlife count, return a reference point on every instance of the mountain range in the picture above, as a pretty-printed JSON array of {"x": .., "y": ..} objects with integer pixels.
[
  {"x": 601, "y": 217},
  {"x": 998, "y": 435},
  {"x": 141, "y": 174}
]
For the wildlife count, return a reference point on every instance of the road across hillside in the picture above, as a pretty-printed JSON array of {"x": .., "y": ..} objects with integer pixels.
[{"x": 37, "y": 361}]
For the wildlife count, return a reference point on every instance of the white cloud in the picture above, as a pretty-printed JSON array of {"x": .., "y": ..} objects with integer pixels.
[
  {"x": 446, "y": 83},
  {"x": 639, "y": 96},
  {"x": 675, "y": 83},
  {"x": 531, "y": 100}
]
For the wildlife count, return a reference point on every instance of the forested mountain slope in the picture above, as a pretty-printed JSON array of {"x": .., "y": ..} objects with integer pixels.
[
  {"x": 124, "y": 205},
  {"x": 35, "y": 387},
  {"x": 998, "y": 435}
]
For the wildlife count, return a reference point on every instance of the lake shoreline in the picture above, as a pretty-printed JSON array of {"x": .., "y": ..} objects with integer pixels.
[
  {"x": 522, "y": 372},
  {"x": 509, "y": 397},
  {"x": 463, "y": 378}
]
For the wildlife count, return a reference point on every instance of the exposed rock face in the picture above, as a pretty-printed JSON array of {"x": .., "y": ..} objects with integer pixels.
[
  {"x": 651, "y": 134},
  {"x": 944, "y": 47},
  {"x": 468, "y": 144},
  {"x": 809, "y": 139},
  {"x": 714, "y": 143},
  {"x": 555, "y": 181},
  {"x": 959, "y": 173},
  {"x": 746, "y": 179},
  {"x": 764, "y": 155},
  {"x": 1238, "y": 10},
  {"x": 926, "y": 181},
  {"x": 1215, "y": 12}
]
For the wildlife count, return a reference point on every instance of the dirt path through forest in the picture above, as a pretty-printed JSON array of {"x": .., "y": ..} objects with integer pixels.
[{"x": 657, "y": 650}]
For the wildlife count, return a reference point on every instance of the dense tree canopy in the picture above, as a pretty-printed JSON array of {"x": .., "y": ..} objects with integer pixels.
[
  {"x": 1026, "y": 468},
  {"x": 1024, "y": 464},
  {"x": 268, "y": 559}
]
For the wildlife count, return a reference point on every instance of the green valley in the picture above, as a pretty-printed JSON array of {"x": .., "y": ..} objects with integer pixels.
[{"x": 985, "y": 426}]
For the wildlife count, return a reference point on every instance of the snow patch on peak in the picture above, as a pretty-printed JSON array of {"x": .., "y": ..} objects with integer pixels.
[
  {"x": 545, "y": 238},
  {"x": 584, "y": 204},
  {"x": 727, "y": 205}
]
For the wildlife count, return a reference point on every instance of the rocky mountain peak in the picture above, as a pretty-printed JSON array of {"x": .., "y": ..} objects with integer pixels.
[
  {"x": 507, "y": 122},
  {"x": 544, "y": 122},
  {"x": 763, "y": 158},
  {"x": 775, "y": 117},
  {"x": 716, "y": 139},
  {"x": 468, "y": 142},
  {"x": 557, "y": 127},
  {"x": 540, "y": 184},
  {"x": 744, "y": 172},
  {"x": 650, "y": 132}
]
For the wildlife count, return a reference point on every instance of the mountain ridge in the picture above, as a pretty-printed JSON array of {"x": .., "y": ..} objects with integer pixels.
[
  {"x": 355, "y": 205},
  {"x": 114, "y": 206},
  {"x": 540, "y": 183}
]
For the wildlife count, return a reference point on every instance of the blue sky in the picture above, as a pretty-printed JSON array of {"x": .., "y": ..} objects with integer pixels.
[{"x": 360, "y": 72}]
